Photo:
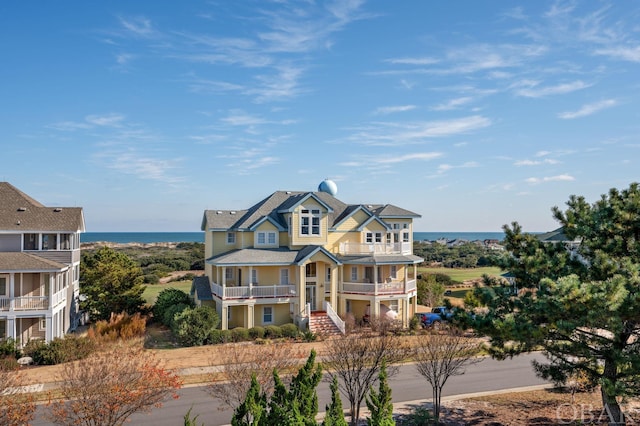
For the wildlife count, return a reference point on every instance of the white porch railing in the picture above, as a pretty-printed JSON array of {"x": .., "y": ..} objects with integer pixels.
[
  {"x": 25, "y": 303},
  {"x": 59, "y": 297},
  {"x": 258, "y": 291},
  {"x": 334, "y": 316},
  {"x": 392, "y": 287},
  {"x": 348, "y": 248}
]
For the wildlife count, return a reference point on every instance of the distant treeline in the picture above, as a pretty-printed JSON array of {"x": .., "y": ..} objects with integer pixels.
[
  {"x": 463, "y": 255},
  {"x": 158, "y": 261}
]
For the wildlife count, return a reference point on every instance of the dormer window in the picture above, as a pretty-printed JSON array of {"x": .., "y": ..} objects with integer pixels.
[
  {"x": 310, "y": 222},
  {"x": 231, "y": 237}
]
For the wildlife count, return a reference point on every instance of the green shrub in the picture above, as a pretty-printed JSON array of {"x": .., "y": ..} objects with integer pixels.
[
  {"x": 290, "y": 330},
  {"x": 272, "y": 332},
  {"x": 194, "y": 326},
  {"x": 171, "y": 312},
  {"x": 239, "y": 334},
  {"x": 256, "y": 332},
  {"x": 151, "y": 279},
  {"x": 167, "y": 298},
  {"x": 225, "y": 336},
  {"x": 8, "y": 347},
  {"x": 59, "y": 350}
]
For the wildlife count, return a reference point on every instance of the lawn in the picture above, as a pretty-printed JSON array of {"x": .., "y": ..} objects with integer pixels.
[
  {"x": 151, "y": 292},
  {"x": 463, "y": 274}
]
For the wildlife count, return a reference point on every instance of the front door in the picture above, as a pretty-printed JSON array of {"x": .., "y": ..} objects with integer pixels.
[{"x": 311, "y": 296}]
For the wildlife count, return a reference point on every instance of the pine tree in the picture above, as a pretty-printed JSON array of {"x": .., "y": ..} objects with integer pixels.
[
  {"x": 252, "y": 411},
  {"x": 303, "y": 389},
  {"x": 379, "y": 403},
  {"x": 582, "y": 305},
  {"x": 334, "y": 415},
  {"x": 283, "y": 410}
]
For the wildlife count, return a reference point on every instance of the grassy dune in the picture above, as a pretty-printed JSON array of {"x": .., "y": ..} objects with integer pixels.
[{"x": 461, "y": 275}]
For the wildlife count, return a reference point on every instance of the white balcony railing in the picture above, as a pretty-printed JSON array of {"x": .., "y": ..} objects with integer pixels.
[
  {"x": 349, "y": 248},
  {"x": 253, "y": 291},
  {"x": 59, "y": 297},
  {"x": 392, "y": 287},
  {"x": 25, "y": 303}
]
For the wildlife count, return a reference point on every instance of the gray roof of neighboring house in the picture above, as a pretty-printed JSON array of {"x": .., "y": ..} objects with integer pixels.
[
  {"x": 283, "y": 200},
  {"x": 201, "y": 289},
  {"x": 19, "y": 212},
  {"x": 557, "y": 235},
  {"x": 19, "y": 261}
]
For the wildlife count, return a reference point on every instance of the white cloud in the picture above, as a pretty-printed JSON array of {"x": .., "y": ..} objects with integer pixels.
[
  {"x": 588, "y": 109},
  {"x": 392, "y": 109},
  {"x": 143, "y": 167},
  {"x": 389, "y": 159},
  {"x": 112, "y": 120},
  {"x": 558, "y": 178},
  {"x": 139, "y": 26},
  {"x": 535, "y": 162},
  {"x": 452, "y": 104},
  {"x": 413, "y": 61},
  {"x": 631, "y": 54},
  {"x": 560, "y": 89}
]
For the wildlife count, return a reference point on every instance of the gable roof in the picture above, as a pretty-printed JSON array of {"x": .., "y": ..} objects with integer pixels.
[
  {"x": 20, "y": 212},
  {"x": 279, "y": 203}
]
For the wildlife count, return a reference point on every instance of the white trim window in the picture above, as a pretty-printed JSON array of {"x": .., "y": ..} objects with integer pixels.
[
  {"x": 42, "y": 324},
  {"x": 3, "y": 286},
  {"x": 266, "y": 238},
  {"x": 328, "y": 276},
  {"x": 284, "y": 276},
  {"x": 267, "y": 314},
  {"x": 310, "y": 222},
  {"x": 354, "y": 274},
  {"x": 371, "y": 237},
  {"x": 228, "y": 273},
  {"x": 254, "y": 276},
  {"x": 231, "y": 237},
  {"x": 394, "y": 272},
  {"x": 405, "y": 237}
]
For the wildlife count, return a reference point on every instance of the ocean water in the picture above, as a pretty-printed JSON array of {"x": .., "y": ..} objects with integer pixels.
[{"x": 198, "y": 237}]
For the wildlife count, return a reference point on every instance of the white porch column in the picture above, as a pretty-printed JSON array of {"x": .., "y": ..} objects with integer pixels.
[
  {"x": 11, "y": 328},
  {"x": 251, "y": 316},
  {"x": 48, "y": 334},
  {"x": 334, "y": 287},
  {"x": 224, "y": 320},
  {"x": 12, "y": 280}
]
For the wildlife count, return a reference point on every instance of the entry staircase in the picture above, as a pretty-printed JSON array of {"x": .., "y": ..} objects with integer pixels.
[{"x": 320, "y": 323}]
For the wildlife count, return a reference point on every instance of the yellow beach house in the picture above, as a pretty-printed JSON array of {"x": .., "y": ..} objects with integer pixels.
[{"x": 303, "y": 257}]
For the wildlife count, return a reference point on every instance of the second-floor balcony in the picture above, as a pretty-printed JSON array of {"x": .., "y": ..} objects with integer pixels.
[
  {"x": 26, "y": 303},
  {"x": 388, "y": 287},
  {"x": 32, "y": 303},
  {"x": 349, "y": 248},
  {"x": 253, "y": 291}
]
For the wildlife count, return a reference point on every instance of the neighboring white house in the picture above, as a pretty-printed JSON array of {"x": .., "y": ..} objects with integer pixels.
[{"x": 39, "y": 267}]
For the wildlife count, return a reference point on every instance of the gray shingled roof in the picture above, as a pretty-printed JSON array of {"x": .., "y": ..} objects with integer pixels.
[
  {"x": 19, "y": 261},
  {"x": 284, "y": 200},
  {"x": 19, "y": 212},
  {"x": 253, "y": 256},
  {"x": 201, "y": 289}
]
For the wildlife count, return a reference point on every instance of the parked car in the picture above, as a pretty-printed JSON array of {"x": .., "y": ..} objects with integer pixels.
[
  {"x": 430, "y": 320},
  {"x": 444, "y": 312}
]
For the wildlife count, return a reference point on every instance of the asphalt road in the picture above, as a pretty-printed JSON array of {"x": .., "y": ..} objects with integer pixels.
[{"x": 408, "y": 386}]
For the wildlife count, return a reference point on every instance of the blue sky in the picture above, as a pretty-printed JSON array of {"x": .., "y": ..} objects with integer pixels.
[{"x": 473, "y": 114}]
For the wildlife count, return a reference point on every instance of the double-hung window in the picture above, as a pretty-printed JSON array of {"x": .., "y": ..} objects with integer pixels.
[
  {"x": 267, "y": 315},
  {"x": 354, "y": 274},
  {"x": 309, "y": 222},
  {"x": 228, "y": 273},
  {"x": 3, "y": 286},
  {"x": 231, "y": 237},
  {"x": 264, "y": 238}
]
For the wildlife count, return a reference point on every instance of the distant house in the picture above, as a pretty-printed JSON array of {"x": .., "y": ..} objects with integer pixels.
[
  {"x": 297, "y": 255},
  {"x": 39, "y": 267}
]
